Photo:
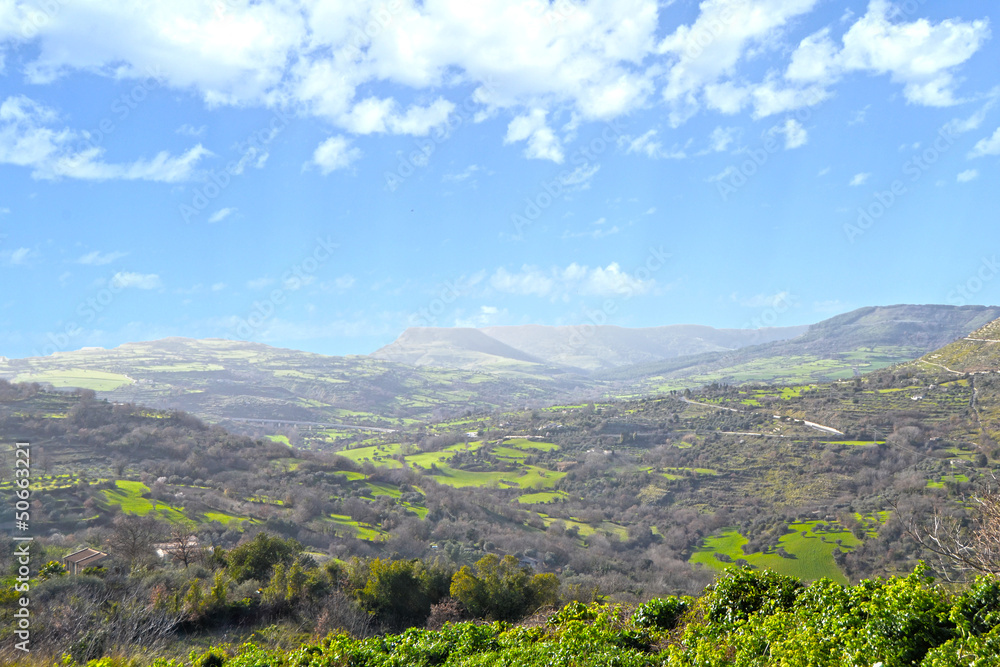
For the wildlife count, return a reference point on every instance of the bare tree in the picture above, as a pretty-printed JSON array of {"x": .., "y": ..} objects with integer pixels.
[
  {"x": 184, "y": 546},
  {"x": 963, "y": 547},
  {"x": 132, "y": 538}
]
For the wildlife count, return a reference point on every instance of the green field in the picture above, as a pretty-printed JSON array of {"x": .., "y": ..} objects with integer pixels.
[
  {"x": 542, "y": 497},
  {"x": 812, "y": 544},
  {"x": 130, "y": 497},
  {"x": 362, "y": 531},
  {"x": 84, "y": 379}
]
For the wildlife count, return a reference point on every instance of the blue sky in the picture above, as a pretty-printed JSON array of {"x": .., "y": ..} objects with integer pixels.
[{"x": 321, "y": 175}]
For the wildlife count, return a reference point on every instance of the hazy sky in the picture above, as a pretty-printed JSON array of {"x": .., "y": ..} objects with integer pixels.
[{"x": 321, "y": 175}]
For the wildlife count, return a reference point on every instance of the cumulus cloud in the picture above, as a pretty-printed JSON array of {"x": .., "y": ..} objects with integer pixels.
[
  {"x": 144, "y": 281},
  {"x": 542, "y": 141},
  {"x": 795, "y": 135},
  {"x": 544, "y": 68},
  {"x": 919, "y": 54},
  {"x": 968, "y": 175},
  {"x": 987, "y": 146},
  {"x": 708, "y": 50},
  {"x": 859, "y": 179},
  {"x": 335, "y": 153},
  {"x": 574, "y": 280}
]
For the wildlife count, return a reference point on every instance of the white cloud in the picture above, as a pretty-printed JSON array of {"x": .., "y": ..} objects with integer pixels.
[
  {"x": 963, "y": 125},
  {"x": 145, "y": 281},
  {"x": 859, "y": 179},
  {"x": 542, "y": 141},
  {"x": 28, "y": 139},
  {"x": 463, "y": 175},
  {"x": 221, "y": 214},
  {"x": 721, "y": 138},
  {"x": 968, "y": 175},
  {"x": 18, "y": 256},
  {"x": 987, "y": 146},
  {"x": 920, "y": 55},
  {"x": 335, "y": 153},
  {"x": 574, "y": 280},
  {"x": 795, "y": 135},
  {"x": 191, "y": 130},
  {"x": 541, "y": 65},
  {"x": 709, "y": 49},
  {"x": 580, "y": 178},
  {"x": 648, "y": 145},
  {"x": 218, "y": 287},
  {"x": 97, "y": 258}
]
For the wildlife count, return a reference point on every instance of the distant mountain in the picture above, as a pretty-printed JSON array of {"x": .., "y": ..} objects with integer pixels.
[
  {"x": 430, "y": 373},
  {"x": 469, "y": 349},
  {"x": 582, "y": 348},
  {"x": 843, "y": 346}
]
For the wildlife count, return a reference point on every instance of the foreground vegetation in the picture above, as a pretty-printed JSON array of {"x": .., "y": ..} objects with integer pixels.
[{"x": 746, "y": 619}]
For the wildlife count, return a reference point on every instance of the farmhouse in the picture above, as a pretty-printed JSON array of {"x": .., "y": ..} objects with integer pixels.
[{"x": 81, "y": 559}]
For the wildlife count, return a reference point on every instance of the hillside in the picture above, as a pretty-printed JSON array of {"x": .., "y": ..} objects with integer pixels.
[
  {"x": 976, "y": 353},
  {"x": 841, "y": 347},
  {"x": 437, "y": 373},
  {"x": 222, "y": 379}
]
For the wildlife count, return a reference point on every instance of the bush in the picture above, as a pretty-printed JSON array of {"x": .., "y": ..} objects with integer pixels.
[
  {"x": 744, "y": 592},
  {"x": 661, "y": 613}
]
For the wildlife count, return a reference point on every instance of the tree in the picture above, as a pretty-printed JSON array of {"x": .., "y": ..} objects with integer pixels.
[
  {"x": 963, "y": 549},
  {"x": 502, "y": 589},
  {"x": 132, "y": 538},
  {"x": 395, "y": 592},
  {"x": 256, "y": 558},
  {"x": 183, "y": 545}
]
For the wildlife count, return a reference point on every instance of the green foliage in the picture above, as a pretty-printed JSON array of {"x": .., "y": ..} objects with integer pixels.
[
  {"x": 256, "y": 558},
  {"x": 501, "y": 589},
  {"x": 661, "y": 613},
  {"x": 51, "y": 569},
  {"x": 744, "y": 592},
  {"x": 397, "y": 593}
]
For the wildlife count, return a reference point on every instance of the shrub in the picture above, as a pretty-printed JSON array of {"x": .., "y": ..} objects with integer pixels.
[{"x": 661, "y": 613}]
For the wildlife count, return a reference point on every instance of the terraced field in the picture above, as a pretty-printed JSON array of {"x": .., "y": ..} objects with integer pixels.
[{"x": 811, "y": 545}]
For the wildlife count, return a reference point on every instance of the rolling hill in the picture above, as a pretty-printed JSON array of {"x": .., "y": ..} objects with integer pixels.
[{"x": 843, "y": 346}]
